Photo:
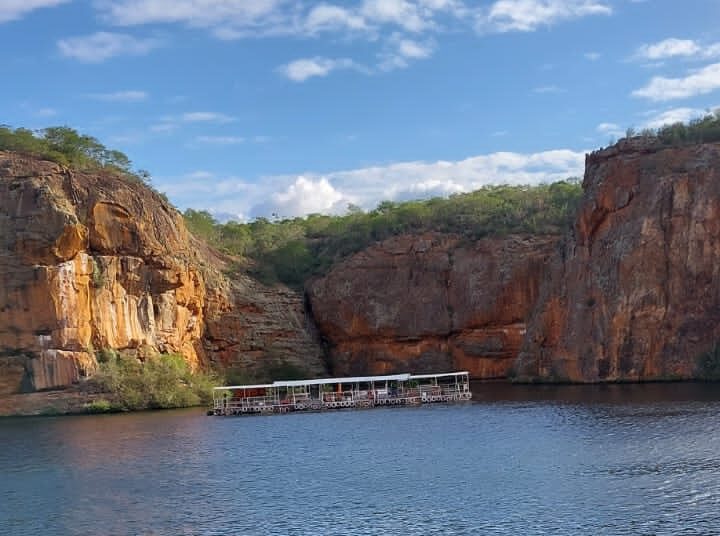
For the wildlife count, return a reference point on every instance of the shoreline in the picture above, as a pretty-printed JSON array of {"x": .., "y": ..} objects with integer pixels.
[{"x": 75, "y": 401}]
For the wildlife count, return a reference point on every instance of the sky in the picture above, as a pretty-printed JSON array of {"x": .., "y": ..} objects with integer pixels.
[{"x": 280, "y": 108}]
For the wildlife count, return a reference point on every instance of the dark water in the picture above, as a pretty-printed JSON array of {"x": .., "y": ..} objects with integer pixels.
[{"x": 562, "y": 460}]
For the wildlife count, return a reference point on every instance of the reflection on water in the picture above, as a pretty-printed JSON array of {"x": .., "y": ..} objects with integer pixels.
[{"x": 622, "y": 459}]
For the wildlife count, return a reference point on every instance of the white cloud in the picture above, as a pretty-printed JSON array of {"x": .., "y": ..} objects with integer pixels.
[
  {"x": 247, "y": 14},
  {"x": 302, "y": 69},
  {"x": 120, "y": 96},
  {"x": 672, "y": 116},
  {"x": 220, "y": 140},
  {"x": 529, "y": 15},
  {"x": 400, "y": 51},
  {"x": 610, "y": 129},
  {"x": 592, "y": 56},
  {"x": 674, "y": 48},
  {"x": 400, "y": 12},
  {"x": 305, "y": 196},
  {"x": 293, "y": 195},
  {"x": 548, "y": 89},
  {"x": 698, "y": 82},
  {"x": 325, "y": 17},
  {"x": 16, "y": 9},
  {"x": 206, "y": 117},
  {"x": 100, "y": 46}
]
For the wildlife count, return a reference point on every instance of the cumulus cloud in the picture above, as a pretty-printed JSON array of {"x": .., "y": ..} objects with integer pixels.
[
  {"x": 672, "y": 116},
  {"x": 529, "y": 15},
  {"x": 400, "y": 51},
  {"x": 305, "y": 68},
  {"x": 16, "y": 9},
  {"x": 305, "y": 195},
  {"x": 675, "y": 48},
  {"x": 697, "y": 82},
  {"x": 297, "y": 195},
  {"x": 254, "y": 14},
  {"x": 325, "y": 17},
  {"x": 100, "y": 46}
]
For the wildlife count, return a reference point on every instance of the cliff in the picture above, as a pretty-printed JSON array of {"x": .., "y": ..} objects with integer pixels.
[
  {"x": 430, "y": 303},
  {"x": 96, "y": 261},
  {"x": 634, "y": 292}
]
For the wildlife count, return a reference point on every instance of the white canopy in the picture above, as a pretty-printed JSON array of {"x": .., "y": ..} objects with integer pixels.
[
  {"x": 354, "y": 379},
  {"x": 448, "y": 374},
  {"x": 258, "y": 386}
]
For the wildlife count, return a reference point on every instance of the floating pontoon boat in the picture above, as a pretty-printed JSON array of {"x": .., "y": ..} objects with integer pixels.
[{"x": 338, "y": 393}]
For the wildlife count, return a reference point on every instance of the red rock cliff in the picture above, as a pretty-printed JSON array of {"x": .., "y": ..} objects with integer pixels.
[
  {"x": 93, "y": 261},
  {"x": 635, "y": 292},
  {"x": 430, "y": 303}
]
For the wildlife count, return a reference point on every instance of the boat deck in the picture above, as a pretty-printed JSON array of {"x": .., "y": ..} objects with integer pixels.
[{"x": 341, "y": 393}]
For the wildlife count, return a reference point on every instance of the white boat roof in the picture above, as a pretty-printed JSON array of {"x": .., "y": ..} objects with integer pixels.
[
  {"x": 258, "y": 386},
  {"x": 353, "y": 379},
  {"x": 425, "y": 376}
]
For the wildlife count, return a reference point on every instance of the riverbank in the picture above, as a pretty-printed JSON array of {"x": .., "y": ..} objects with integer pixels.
[{"x": 79, "y": 401}]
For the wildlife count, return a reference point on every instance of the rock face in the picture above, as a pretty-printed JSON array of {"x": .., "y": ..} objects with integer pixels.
[
  {"x": 634, "y": 293},
  {"x": 430, "y": 303},
  {"x": 90, "y": 262},
  {"x": 261, "y": 331}
]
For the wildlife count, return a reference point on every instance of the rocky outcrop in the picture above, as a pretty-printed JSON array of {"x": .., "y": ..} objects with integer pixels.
[
  {"x": 430, "y": 303},
  {"x": 88, "y": 262},
  {"x": 634, "y": 293},
  {"x": 260, "y": 331},
  {"x": 95, "y": 261}
]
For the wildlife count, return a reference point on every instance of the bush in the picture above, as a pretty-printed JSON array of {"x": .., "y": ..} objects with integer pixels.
[
  {"x": 100, "y": 406},
  {"x": 162, "y": 381}
]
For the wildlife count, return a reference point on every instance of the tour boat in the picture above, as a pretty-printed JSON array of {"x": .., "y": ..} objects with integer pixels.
[{"x": 338, "y": 393}]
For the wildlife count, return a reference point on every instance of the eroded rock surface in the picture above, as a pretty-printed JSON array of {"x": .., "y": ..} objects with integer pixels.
[
  {"x": 92, "y": 262},
  {"x": 634, "y": 294},
  {"x": 430, "y": 303}
]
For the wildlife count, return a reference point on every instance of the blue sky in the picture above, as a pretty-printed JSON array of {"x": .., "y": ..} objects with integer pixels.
[{"x": 259, "y": 107}]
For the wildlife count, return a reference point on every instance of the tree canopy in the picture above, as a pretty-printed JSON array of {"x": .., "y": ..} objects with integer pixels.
[
  {"x": 67, "y": 146},
  {"x": 292, "y": 250}
]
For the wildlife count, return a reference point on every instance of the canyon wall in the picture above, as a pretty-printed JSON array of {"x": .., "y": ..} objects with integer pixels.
[
  {"x": 430, "y": 303},
  {"x": 95, "y": 261},
  {"x": 634, "y": 293}
]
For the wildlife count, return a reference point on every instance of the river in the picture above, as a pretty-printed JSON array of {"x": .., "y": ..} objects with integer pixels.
[{"x": 620, "y": 459}]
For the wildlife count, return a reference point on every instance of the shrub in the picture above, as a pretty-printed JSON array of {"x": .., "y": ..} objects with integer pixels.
[
  {"x": 100, "y": 406},
  {"x": 162, "y": 381}
]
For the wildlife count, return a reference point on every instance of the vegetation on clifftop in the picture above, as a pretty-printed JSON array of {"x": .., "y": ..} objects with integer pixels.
[
  {"x": 702, "y": 130},
  {"x": 292, "y": 250},
  {"x": 68, "y": 147}
]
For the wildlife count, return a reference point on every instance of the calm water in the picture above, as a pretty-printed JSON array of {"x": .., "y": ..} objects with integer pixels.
[{"x": 564, "y": 460}]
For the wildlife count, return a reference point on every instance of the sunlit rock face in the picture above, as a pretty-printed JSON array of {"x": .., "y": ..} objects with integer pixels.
[
  {"x": 88, "y": 262},
  {"x": 634, "y": 293},
  {"x": 430, "y": 303},
  {"x": 93, "y": 261}
]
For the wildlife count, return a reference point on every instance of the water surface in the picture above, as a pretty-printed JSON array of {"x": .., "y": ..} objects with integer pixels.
[{"x": 628, "y": 459}]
